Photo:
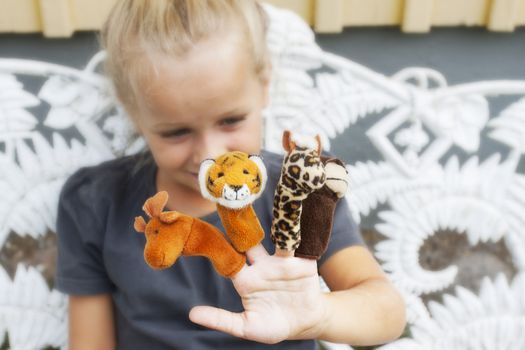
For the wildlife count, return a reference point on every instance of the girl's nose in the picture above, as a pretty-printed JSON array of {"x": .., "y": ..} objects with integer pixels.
[{"x": 209, "y": 146}]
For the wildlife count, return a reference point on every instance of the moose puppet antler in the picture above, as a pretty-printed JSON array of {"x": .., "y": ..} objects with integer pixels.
[{"x": 172, "y": 234}]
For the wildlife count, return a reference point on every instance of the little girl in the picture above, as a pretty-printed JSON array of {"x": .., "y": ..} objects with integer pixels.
[{"x": 193, "y": 75}]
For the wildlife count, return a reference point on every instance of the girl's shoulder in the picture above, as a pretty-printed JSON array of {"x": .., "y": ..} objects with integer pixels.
[{"x": 105, "y": 180}]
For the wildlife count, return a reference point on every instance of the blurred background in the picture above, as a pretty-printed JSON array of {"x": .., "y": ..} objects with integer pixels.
[{"x": 473, "y": 55}]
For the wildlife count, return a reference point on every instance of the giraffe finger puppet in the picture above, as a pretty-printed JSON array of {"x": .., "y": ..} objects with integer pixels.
[
  {"x": 171, "y": 234},
  {"x": 319, "y": 208},
  {"x": 234, "y": 181},
  {"x": 302, "y": 173}
]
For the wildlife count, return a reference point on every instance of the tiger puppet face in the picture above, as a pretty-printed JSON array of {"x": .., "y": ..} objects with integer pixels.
[{"x": 233, "y": 180}]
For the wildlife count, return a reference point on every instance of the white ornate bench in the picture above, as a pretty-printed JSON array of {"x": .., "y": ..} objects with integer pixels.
[{"x": 54, "y": 119}]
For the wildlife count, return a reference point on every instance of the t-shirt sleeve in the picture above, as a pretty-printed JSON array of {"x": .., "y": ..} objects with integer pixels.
[
  {"x": 345, "y": 232},
  {"x": 80, "y": 263}
]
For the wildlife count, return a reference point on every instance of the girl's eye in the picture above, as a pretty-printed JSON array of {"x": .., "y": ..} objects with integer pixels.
[
  {"x": 176, "y": 133},
  {"x": 231, "y": 121}
]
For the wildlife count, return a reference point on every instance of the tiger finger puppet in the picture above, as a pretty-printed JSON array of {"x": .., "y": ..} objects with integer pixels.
[
  {"x": 171, "y": 234},
  {"x": 319, "y": 208},
  {"x": 234, "y": 181},
  {"x": 302, "y": 173}
]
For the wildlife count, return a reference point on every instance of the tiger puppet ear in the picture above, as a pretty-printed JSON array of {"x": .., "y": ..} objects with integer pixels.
[{"x": 234, "y": 181}]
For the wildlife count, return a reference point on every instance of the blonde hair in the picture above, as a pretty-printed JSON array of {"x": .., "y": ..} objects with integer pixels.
[{"x": 137, "y": 28}]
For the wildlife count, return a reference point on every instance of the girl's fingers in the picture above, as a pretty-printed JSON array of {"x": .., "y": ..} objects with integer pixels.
[
  {"x": 283, "y": 253},
  {"x": 218, "y": 319},
  {"x": 256, "y": 253}
]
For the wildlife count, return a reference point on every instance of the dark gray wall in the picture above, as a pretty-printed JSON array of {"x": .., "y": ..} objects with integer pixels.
[{"x": 462, "y": 55}]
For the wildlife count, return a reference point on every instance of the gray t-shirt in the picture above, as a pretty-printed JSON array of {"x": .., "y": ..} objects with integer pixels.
[{"x": 100, "y": 252}]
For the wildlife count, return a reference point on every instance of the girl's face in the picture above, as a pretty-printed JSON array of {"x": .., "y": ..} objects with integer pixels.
[{"x": 205, "y": 104}]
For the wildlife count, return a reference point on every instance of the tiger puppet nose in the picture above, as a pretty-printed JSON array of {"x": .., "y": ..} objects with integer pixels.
[
  {"x": 234, "y": 181},
  {"x": 233, "y": 193}
]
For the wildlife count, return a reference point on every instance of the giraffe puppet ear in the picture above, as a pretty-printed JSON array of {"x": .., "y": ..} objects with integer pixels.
[
  {"x": 140, "y": 224},
  {"x": 319, "y": 148},
  {"x": 288, "y": 144},
  {"x": 154, "y": 205},
  {"x": 169, "y": 217}
]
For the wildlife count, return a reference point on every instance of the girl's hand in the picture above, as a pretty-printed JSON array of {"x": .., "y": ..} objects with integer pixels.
[{"x": 281, "y": 298}]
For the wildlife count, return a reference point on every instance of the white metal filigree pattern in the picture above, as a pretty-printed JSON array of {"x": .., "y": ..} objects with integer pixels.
[
  {"x": 494, "y": 319},
  {"x": 69, "y": 119},
  {"x": 45, "y": 135},
  {"x": 34, "y": 316}
]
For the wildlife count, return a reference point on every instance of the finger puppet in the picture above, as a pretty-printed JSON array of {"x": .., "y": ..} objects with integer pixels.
[
  {"x": 318, "y": 210},
  {"x": 171, "y": 234},
  {"x": 302, "y": 173},
  {"x": 234, "y": 181}
]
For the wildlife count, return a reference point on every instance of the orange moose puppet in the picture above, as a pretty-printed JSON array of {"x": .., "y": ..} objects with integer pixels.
[{"x": 171, "y": 234}]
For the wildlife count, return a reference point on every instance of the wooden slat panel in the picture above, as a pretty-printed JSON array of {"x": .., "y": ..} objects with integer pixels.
[
  {"x": 62, "y": 17},
  {"x": 90, "y": 15},
  {"x": 328, "y": 16},
  {"x": 372, "y": 12},
  {"x": 520, "y": 14},
  {"x": 502, "y": 15},
  {"x": 57, "y": 18},
  {"x": 304, "y": 8},
  {"x": 477, "y": 13},
  {"x": 465, "y": 12},
  {"x": 417, "y": 16},
  {"x": 21, "y": 16}
]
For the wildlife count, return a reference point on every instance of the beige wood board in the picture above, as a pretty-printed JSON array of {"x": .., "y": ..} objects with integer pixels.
[
  {"x": 372, "y": 12},
  {"x": 21, "y": 16},
  {"x": 520, "y": 15},
  {"x": 90, "y": 15},
  {"x": 304, "y": 8},
  {"x": 417, "y": 16},
  {"x": 464, "y": 12}
]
